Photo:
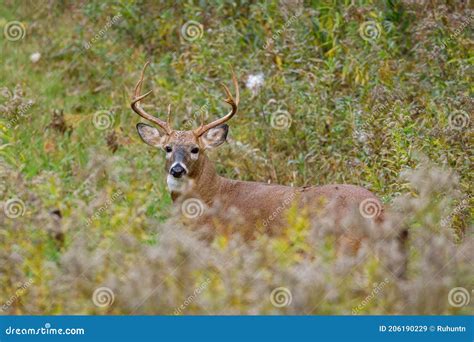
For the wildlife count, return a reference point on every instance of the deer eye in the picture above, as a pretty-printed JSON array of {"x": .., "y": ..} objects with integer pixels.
[
  {"x": 195, "y": 150},
  {"x": 168, "y": 149}
]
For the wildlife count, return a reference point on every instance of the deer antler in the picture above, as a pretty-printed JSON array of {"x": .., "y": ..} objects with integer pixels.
[
  {"x": 230, "y": 100},
  {"x": 139, "y": 110}
]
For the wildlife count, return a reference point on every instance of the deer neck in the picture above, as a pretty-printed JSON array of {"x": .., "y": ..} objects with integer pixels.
[{"x": 203, "y": 184}]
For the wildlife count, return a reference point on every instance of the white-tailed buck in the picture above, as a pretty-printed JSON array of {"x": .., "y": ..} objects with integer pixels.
[{"x": 191, "y": 176}]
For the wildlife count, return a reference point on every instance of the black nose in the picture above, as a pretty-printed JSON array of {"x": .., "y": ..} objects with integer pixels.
[{"x": 177, "y": 171}]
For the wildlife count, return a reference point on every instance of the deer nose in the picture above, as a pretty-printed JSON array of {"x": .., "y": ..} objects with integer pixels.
[{"x": 177, "y": 171}]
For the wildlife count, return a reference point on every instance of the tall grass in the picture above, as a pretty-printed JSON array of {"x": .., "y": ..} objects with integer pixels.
[{"x": 390, "y": 112}]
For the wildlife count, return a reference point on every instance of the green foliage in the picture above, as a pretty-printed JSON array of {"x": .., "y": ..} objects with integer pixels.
[{"x": 362, "y": 112}]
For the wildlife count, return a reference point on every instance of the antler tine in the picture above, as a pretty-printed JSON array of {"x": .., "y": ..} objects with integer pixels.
[
  {"x": 230, "y": 100},
  {"x": 140, "y": 111}
]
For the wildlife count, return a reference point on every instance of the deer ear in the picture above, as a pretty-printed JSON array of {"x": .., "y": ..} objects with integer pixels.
[
  {"x": 150, "y": 135},
  {"x": 215, "y": 136}
]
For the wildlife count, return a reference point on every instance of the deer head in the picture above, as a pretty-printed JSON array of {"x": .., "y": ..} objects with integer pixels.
[{"x": 184, "y": 149}]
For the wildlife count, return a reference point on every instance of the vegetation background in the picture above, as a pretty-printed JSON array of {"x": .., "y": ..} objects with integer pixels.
[{"x": 374, "y": 93}]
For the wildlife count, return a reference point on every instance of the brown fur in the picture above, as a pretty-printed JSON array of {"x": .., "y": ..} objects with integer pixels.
[
  {"x": 256, "y": 205},
  {"x": 248, "y": 207}
]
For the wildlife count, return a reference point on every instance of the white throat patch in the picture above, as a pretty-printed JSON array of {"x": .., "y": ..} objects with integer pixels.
[{"x": 175, "y": 184}]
